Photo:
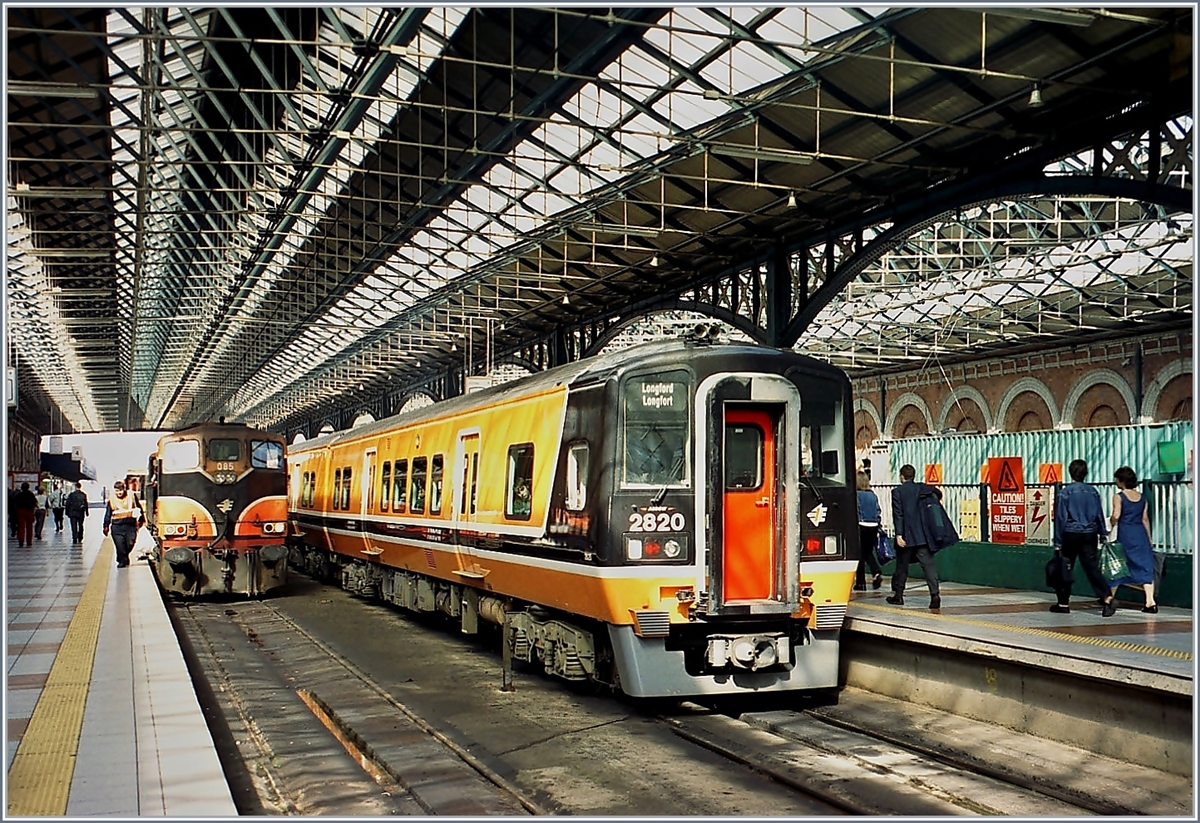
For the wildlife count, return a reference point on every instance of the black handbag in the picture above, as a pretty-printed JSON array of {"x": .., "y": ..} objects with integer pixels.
[{"x": 1059, "y": 574}]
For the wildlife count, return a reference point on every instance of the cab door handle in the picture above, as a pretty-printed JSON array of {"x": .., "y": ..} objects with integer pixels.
[{"x": 766, "y": 501}]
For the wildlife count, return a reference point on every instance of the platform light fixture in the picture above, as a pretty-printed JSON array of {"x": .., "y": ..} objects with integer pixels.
[
  {"x": 654, "y": 261},
  {"x": 614, "y": 228},
  {"x": 791, "y": 199},
  {"x": 26, "y": 88},
  {"x": 761, "y": 153},
  {"x": 1035, "y": 97}
]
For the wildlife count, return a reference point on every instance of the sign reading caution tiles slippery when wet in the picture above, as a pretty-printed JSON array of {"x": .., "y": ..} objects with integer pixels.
[{"x": 1006, "y": 504}]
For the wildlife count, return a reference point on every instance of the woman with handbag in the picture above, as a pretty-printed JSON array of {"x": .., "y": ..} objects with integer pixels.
[
  {"x": 868, "y": 534},
  {"x": 1130, "y": 516}
]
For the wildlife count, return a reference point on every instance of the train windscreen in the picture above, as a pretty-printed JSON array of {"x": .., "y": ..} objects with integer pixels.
[
  {"x": 657, "y": 430},
  {"x": 822, "y": 440}
]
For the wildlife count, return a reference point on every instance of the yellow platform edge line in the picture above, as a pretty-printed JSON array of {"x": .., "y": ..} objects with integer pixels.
[
  {"x": 39, "y": 779},
  {"x": 1091, "y": 641}
]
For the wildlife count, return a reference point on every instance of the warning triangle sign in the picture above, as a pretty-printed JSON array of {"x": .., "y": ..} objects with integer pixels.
[
  {"x": 1050, "y": 473},
  {"x": 1008, "y": 481}
]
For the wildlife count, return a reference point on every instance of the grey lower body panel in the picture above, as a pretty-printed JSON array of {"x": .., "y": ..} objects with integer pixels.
[{"x": 647, "y": 669}]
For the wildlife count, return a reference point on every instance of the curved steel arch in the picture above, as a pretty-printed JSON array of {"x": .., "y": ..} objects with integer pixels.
[
  {"x": 929, "y": 210},
  {"x": 675, "y": 304}
]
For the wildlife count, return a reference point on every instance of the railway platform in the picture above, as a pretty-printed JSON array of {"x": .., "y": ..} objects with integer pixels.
[
  {"x": 1120, "y": 685},
  {"x": 102, "y": 717}
]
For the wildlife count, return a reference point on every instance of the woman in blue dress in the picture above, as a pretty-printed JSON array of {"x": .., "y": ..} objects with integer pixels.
[{"x": 1133, "y": 531}]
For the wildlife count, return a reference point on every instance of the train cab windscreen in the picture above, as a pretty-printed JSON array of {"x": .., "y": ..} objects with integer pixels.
[
  {"x": 656, "y": 434},
  {"x": 224, "y": 449},
  {"x": 822, "y": 440},
  {"x": 266, "y": 454}
]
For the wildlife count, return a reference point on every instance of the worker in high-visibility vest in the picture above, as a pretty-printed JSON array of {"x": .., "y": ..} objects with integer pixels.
[{"x": 120, "y": 517}]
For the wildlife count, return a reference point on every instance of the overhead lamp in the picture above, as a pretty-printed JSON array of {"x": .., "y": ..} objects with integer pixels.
[
  {"x": 1035, "y": 96},
  {"x": 771, "y": 155},
  {"x": 1065, "y": 17},
  {"x": 654, "y": 261},
  {"x": 791, "y": 199},
  {"x": 566, "y": 301},
  {"x": 30, "y": 88},
  {"x": 61, "y": 192},
  {"x": 613, "y": 228},
  {"x": 74, "y": 253}
]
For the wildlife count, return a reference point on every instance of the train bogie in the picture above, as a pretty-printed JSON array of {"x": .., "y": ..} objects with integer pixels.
[{"x": 676, "y": 519}]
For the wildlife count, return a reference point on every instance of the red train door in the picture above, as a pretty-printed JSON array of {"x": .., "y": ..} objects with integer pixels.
[{"x": 749, "y": 505}]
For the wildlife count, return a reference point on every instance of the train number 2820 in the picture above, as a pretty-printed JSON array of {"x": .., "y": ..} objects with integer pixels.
[{"x": 656, "y": 522}]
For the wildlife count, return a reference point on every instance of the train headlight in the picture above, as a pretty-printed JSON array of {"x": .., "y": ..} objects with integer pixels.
[
  {"x": 633, "y": 548},
  {"x": 273, "y": 528},
  {"x": 671, "y": 548},
  {"x": 831, "y": 544}
]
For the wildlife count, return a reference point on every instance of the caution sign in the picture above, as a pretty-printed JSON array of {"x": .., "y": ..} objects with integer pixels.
[
  {"x": 1038, "y": 516},
  {"x": 1049, "y": 473},
  {"x": 968, "y": 521},
  {"x": 933, "y": 474},
  {"x": 1006, "y": 503}
]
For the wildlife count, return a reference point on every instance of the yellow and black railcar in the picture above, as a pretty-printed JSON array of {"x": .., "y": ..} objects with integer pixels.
[
  {"x": 216, "y": 502},
  {"x": 674, "y": 519}
]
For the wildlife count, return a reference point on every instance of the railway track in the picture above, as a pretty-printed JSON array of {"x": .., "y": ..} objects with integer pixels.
[{"x": 396, "y": 718}]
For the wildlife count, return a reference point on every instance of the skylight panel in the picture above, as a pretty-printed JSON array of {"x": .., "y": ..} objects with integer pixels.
[
  {"x": 687, "y": 108},
  {"x": 636, "y": 70}
]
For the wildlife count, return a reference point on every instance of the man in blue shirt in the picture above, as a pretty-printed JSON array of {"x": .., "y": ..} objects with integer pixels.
[{"x": 1078, "y": 526}]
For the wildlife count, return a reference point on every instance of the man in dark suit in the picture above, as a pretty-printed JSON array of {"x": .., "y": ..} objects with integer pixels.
[{"x": 911, "y": 540}]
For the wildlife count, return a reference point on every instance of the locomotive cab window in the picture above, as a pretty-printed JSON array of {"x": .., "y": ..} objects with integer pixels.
[
  {"x": 822, "y": 436},
  {"x": 266, "y": 454},
  {"x": 656, "y": 434},
  {"x": 435, "y": 484},
  {"x": 518, "y": 498},
  {"x": 743, "y": 457},
  {"x": 385, "y": 485},
  {"x": 181, "y": 455},
  {"x": 577, "y": 472},
  {"x": 224, "y": 449},
  {"x": 416, "y": 502},
  {"x": 337, "y": 489}
]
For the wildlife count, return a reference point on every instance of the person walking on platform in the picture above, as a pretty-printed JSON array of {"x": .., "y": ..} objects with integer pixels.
[
  {"x": 868, "y": 534},
  {"x": 39, "y": 514},
  {"x": 121, "y": 520},
  {"x": 76, "y": 507},
  {"x": 912, "y": 543},
  {"x": 26, "y": 504},
  {"x": 1130, "y": 516},
  {"x": 58, "y": 499},
  {"x": 1078, "y": 527}
]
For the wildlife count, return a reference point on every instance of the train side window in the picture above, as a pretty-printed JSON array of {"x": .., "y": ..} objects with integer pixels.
[
  {"x": 416, "y": 503},
  {"x": 181, "y": 455},
  {"x": 435, "y": 484},
  {"x": 224, "y": 449},
  {"x": 385, "y": 485},
  {"x": 400, "y": 488},
  {"x": 518, "y": 498},
  {"x": 577, "y": 471},
  {"x": 312, "y": 488},
  {"x": 346, "y": 488},
  {"x": 337, "y": 489},
  {"x": 266, "y": 454},
  {"x": 304, "y": 489}
]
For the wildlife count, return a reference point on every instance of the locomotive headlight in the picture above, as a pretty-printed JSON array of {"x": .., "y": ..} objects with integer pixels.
[
  {"x": 633, "y": 548},
  {"x": 831, "y": 544},
  {"x": 671, "y": 548}
]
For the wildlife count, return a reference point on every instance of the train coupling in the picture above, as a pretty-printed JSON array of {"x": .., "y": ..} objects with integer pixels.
[{"x": 749, "y": 651}]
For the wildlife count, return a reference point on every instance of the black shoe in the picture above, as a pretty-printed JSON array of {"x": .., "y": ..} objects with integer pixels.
[
  {"x": 896, "y": 600},
  {"x": 1110, "y": 608},
  {"x": 935, "y": 602},
  {"x": 1150, "y": 609},
  {"x": 877, "y": 582},
  {"x": 1059, "y": 609}
]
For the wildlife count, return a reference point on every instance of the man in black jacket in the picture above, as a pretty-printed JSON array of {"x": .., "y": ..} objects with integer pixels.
[
  {"x": 911, "y": 539},
  {"x": 77, "y": 509}
]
